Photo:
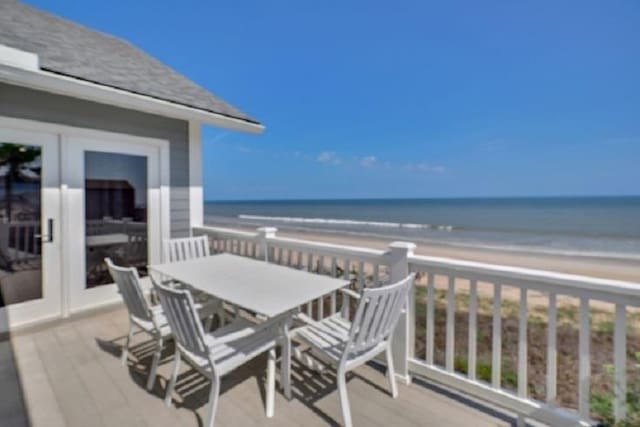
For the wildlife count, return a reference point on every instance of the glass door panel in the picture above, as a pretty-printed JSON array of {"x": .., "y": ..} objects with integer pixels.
[
  {"x": 115, "y": 214},
  {"x": 20, "y": 227}
]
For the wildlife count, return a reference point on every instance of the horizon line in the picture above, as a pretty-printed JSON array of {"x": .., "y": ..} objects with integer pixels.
[{"x": 292, "y": 199}]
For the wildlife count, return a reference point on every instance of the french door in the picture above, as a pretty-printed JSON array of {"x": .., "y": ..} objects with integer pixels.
[
  {"x": 30, "y": 243},
  {"x": 115, "y": 200}
]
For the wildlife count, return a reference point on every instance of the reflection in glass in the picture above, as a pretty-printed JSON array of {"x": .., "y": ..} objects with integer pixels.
[
  {"x": 115, "y": 213},
  {"x": 20, "y": 251}
]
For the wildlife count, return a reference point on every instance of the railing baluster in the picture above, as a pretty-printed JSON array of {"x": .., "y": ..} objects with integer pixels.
[
  {"x": 334, "y": 267},
  {"x": 376, "y": 275},
  {"x": 309, "y": 261},
  {"x": 430, "y": 317},
  {"x": 620, "y": 363},
  {"x": 496, "y": 348},
  {"x": 310, "y": 268},
  {"x": 552, "y": 352},
  {"x": 320, "y": 308},
  {"x": 321, "y": 265},
  {"x": 22, "y": 251},
  {"x": 473, "y": 329},
  {"x": 584, "y": 360},
  {"x": 334, "y": 307},
  {"x": 346, "y": 301},
  {"x": 522, "y": 345},
  {"x": 451, "y": 321},
  {"x": 360, "y": 278}
]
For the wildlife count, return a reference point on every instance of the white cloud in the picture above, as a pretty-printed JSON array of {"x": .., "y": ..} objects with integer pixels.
[
  {"x": 218, "y": 137},
  {"x": 368, "y": 161},
  {"x": 425, "y": 168},
  {"x": 329, "y": 158}
]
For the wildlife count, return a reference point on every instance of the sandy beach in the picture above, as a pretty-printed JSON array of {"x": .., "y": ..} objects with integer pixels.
[{"x": 600, "y": 267}]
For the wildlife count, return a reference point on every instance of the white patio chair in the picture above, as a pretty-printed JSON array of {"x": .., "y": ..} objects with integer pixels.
[
  {"x": 184, "y": 249},
  {"x": 347, "y": 345},
  {"x": 188, "y": 248},
  {"x": 146, "y": 317},
  {"x": 215, "y": 354}
]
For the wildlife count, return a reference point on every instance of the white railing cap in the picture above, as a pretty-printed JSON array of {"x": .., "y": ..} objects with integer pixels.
[
  {"x": 410, "y": 247},
  {"x": 562, "y": 279},
  {"x": 267, "y": 230}
]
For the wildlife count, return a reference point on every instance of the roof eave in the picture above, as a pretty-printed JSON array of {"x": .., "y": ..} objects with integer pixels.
[{"x": 63, "y": 85}]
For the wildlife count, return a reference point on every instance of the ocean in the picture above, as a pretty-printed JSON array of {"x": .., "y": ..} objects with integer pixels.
[{"x": 579, "y": 226}]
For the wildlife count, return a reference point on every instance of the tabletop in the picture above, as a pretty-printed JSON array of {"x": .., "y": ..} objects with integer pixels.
[
  {"x": 107, "y": 239},
  {"x": 259, "y": 286}
]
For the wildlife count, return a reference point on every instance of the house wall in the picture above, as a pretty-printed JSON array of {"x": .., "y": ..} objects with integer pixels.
[{"x": 24, "y": 103}]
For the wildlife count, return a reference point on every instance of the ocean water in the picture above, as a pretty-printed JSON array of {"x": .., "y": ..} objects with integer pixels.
[{"x": 589, "y": 226}]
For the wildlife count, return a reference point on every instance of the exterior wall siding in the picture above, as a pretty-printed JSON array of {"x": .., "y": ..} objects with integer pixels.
[{"x": 24, "y": 103}]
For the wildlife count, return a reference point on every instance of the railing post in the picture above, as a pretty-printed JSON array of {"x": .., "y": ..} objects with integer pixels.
[
  {"x": 401, "y": 343},
  {"x": 264, "y": 234}
]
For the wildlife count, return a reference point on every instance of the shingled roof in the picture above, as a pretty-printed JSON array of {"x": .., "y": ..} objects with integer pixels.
[{"x": 72, "y": 50}]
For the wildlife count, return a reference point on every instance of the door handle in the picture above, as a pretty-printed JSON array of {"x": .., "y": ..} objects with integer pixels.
[{"x": 46, "y": 238}]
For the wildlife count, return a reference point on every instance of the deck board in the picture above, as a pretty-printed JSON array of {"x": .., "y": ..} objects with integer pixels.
[{"x": 69, "y": 374}]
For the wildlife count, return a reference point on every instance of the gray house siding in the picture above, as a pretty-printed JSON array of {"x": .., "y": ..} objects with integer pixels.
[{"x": 24, "y": 103}]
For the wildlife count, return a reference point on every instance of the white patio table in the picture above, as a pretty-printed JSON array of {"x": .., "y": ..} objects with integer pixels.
[{"x": 258, "y": 286}]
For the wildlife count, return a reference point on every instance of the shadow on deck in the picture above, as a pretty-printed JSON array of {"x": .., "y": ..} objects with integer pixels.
[{"x": 69, "y": 374}]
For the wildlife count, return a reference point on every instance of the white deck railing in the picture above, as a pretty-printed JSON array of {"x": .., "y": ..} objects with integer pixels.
[{"x": 474, "y": 283}]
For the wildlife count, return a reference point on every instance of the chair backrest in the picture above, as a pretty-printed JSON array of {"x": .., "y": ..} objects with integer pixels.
[
  {"x": 377, "y": 315},
  {"x": 128, "y": 283},
  {"x": 183, "y": 318},
  {"x": 187, "y": 248}
]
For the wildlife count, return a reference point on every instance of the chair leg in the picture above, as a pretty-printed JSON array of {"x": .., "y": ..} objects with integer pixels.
[
  {"x": 285, "y": 367},
  {"x": 344, "y": 399},
  {"x": 213, "y": 400},
  {"x": 222, "y": 314},
  {"x": 391, "y": 372},
  {"x": 271, "y": 382},
  {"x": 125, "y": 349},
  {"x": 208, "y": 323},
  {"x": 174, "y": 377},
  {"x": 154, "y": 364}
]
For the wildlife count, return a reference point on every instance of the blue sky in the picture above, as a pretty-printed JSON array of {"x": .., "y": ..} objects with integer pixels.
[{"x": 404, "y": 99}]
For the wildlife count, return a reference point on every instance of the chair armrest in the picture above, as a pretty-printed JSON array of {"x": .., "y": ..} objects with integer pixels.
[{"x": 350, "y": 293}]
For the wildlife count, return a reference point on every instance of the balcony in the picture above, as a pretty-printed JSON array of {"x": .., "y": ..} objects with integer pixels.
[
  {"x": 69, "y": 374},
  {"x": 488, "y": 344}
]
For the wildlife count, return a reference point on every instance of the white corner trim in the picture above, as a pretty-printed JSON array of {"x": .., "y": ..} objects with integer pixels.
[
  {"x": 196, "y": 193},
  {"x": 54, "y": 83},
  {"x": 19, "y": 58}
]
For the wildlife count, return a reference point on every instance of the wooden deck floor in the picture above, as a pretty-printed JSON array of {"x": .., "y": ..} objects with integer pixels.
[{"x": 69, "y": 374}]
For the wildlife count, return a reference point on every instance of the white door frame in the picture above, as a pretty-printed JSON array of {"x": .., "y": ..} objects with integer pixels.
[
  {"x": 49, "y": 306},
  {"x": 79, "y": 298}
]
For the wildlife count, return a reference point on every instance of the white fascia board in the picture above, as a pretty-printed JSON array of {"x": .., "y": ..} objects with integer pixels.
[{"x": 54, "y": 83}]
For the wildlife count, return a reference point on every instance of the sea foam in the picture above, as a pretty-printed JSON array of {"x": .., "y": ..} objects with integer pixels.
[{"x": 346, "y": 222}]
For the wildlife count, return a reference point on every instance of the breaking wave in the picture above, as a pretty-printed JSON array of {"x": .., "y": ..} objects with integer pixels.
[{"x": 345, "y": 222}]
